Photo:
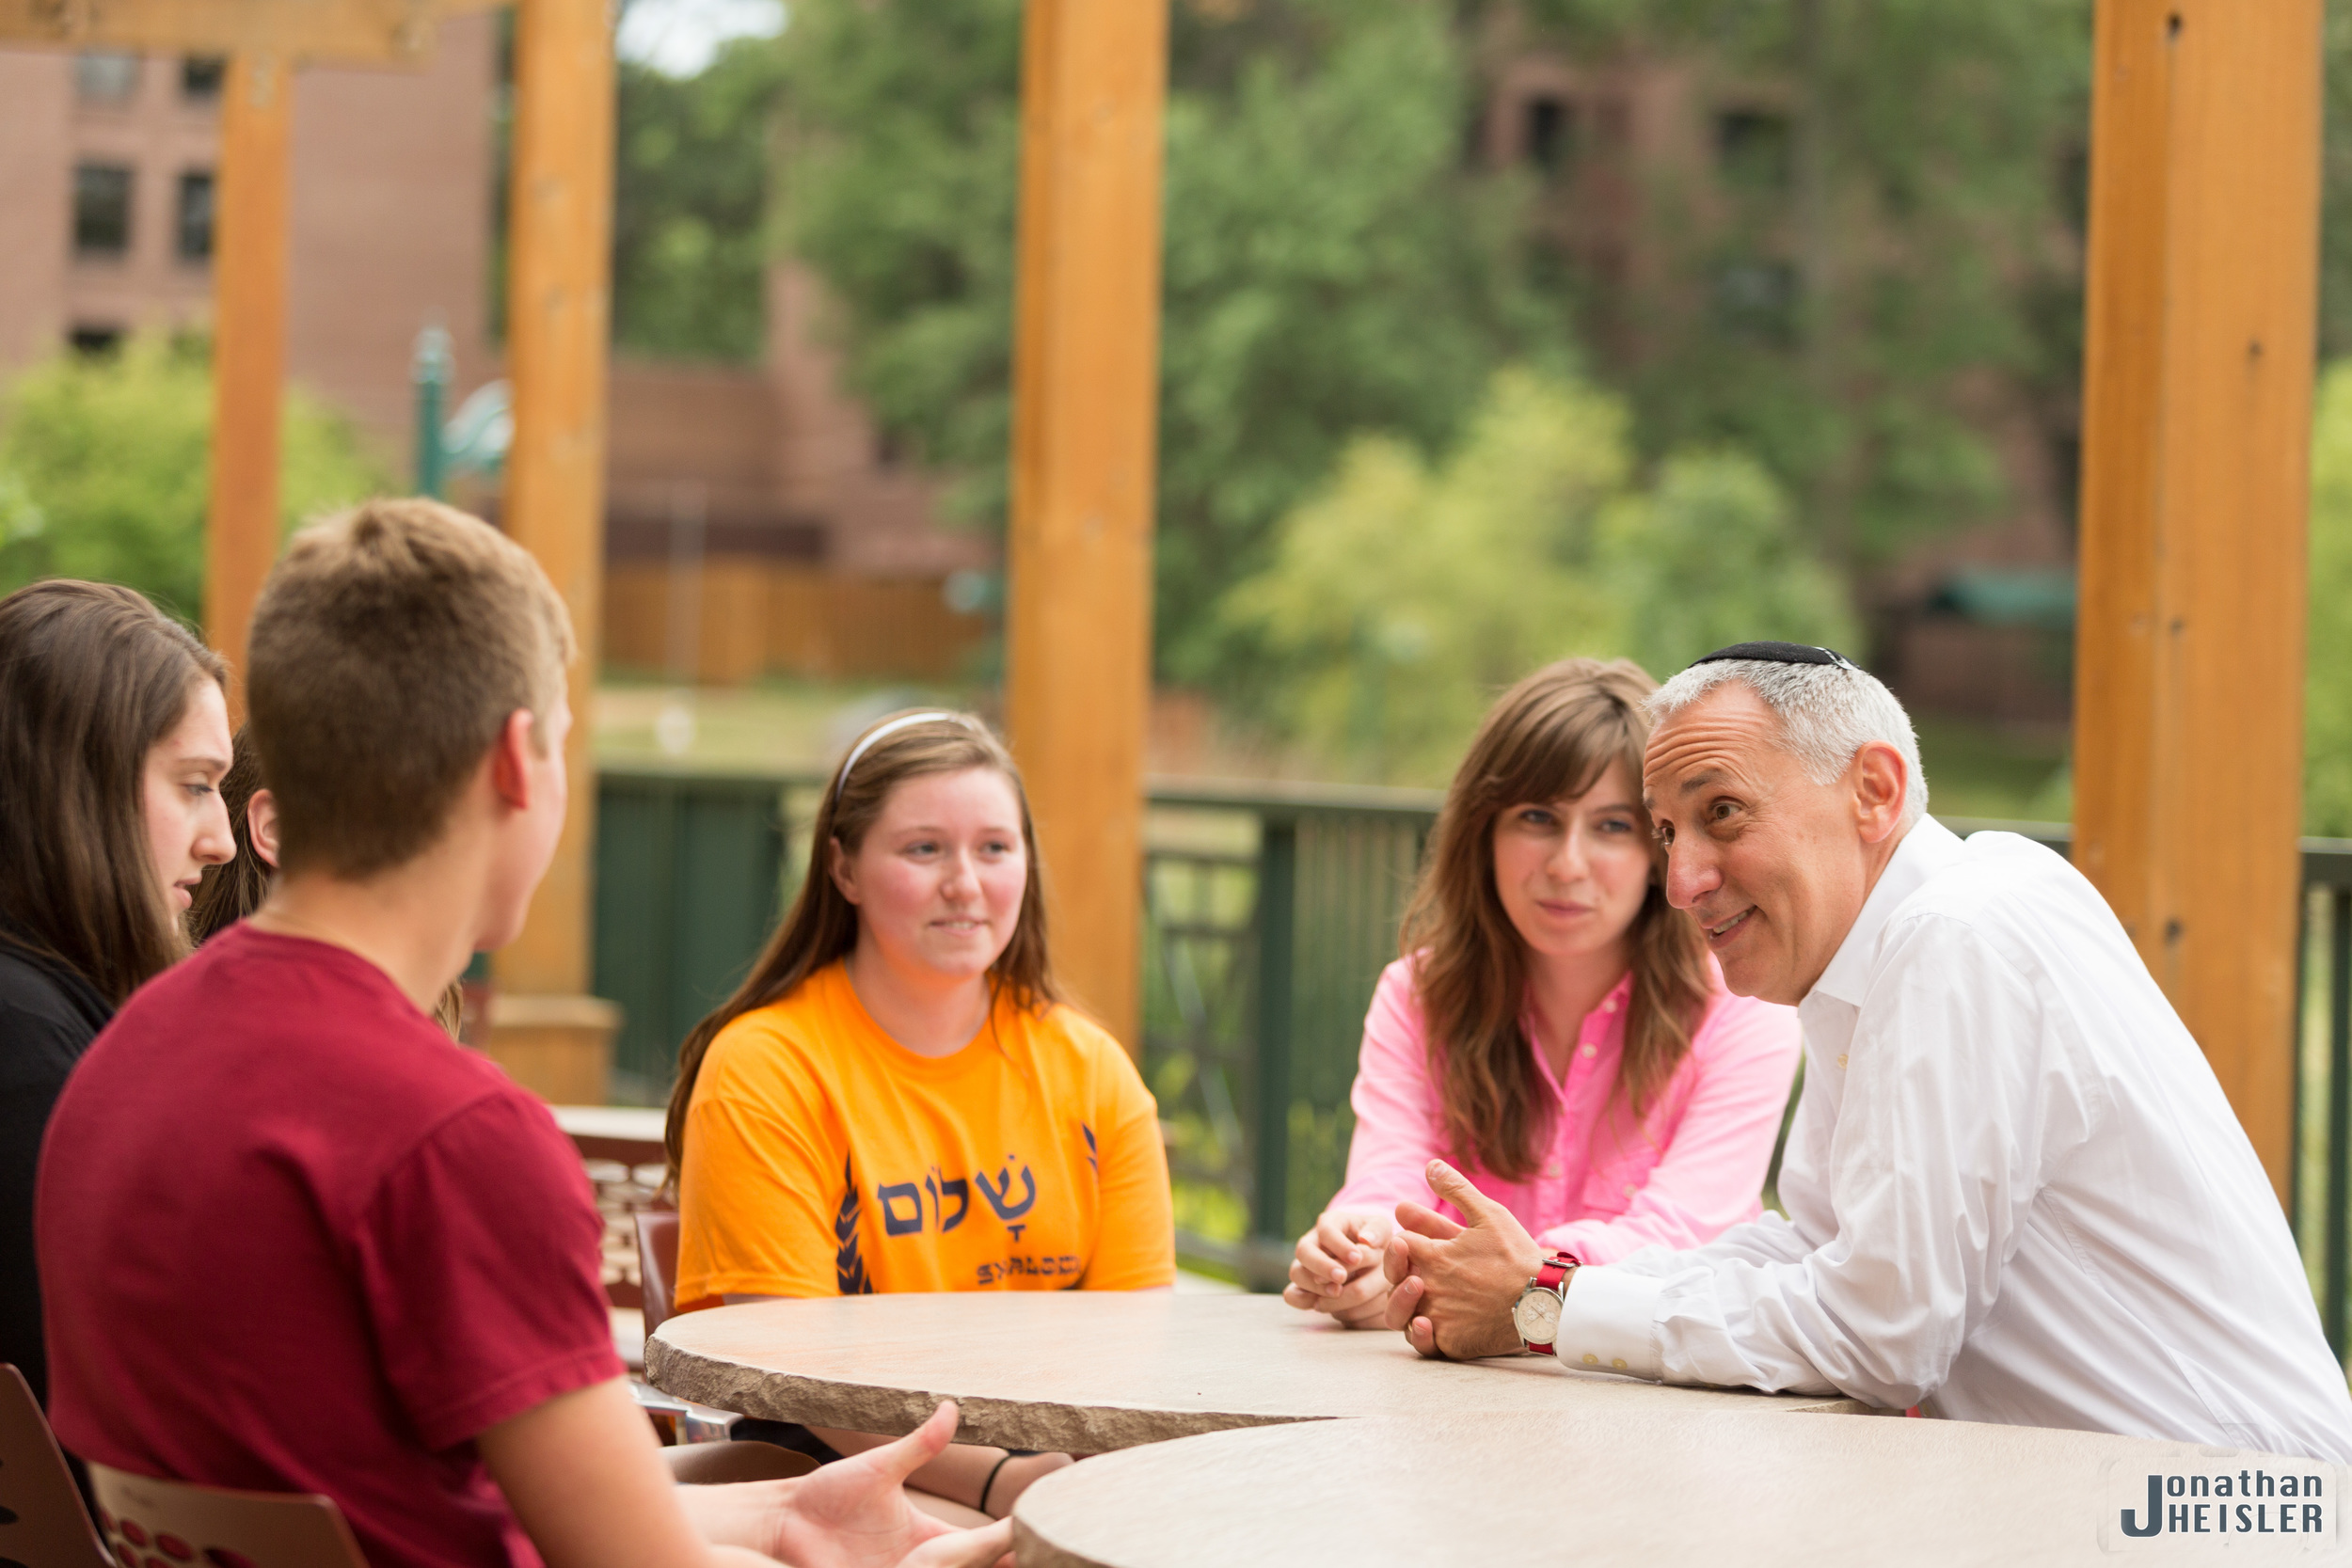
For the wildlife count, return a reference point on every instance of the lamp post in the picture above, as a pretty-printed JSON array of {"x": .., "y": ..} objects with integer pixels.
[{"x": 430, "y": 371}]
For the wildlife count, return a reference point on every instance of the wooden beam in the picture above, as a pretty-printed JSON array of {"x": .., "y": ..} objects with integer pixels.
[
  {"x": 2188, "y": 711},
  {"x": 351, "y": 30},
  {"x": 1085, "y": 365},
  {"x": 558, "y": 310},
  {"x": 249, "y": 350}
]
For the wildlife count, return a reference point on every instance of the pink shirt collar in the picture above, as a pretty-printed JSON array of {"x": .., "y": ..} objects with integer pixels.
[{"x": 1602, "y": 1029}]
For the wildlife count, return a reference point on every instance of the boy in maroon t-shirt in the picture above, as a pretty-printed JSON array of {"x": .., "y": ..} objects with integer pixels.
[{"x": 293, "y": 1238}]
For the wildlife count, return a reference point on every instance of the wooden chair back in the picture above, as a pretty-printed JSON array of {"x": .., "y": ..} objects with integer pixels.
[
  {"x": 657, "y": 1261},
  {"x": 174, "y": 1524},
  {"x": 42, "y": 1522}
]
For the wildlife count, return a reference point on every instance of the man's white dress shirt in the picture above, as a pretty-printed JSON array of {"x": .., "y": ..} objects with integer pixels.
[{"x": 2015, "y": 1191}]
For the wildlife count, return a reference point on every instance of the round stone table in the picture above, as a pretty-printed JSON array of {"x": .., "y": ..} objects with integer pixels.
[
  {"x": 1680, "y": 1486},
  {"x": 1085, "y": 1372}
]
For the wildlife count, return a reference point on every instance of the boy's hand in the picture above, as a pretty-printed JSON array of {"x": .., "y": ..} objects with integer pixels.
[{"x": 853, "y": 1513}]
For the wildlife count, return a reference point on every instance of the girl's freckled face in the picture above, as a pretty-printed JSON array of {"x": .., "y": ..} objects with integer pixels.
[{"x": 939, "y": 880}]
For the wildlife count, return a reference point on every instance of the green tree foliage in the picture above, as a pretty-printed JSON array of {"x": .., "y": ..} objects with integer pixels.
[
  {"x": 104, "y": 465},
  {"x": 689, "y": 235},
  {"x": 1333, "y": 265},
  {"x": 904, "y": 129},
  {"x": 1401, "y": 597},
  {"x": 2335, "y": 225},
  {"x": 1890, "y": 247},
  {"x": 1709, "y": 556},
  {"x": 2328, "y": 688}
]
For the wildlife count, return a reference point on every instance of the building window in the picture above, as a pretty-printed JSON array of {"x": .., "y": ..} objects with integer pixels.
[
  {"x": 201, "y": 76},
  {"x": 105, "y": 77},
  {"x": 1757, "y": 299},
  {"x": 101, "y": 209},
  {"x": 1551, "y": 132},
  {"x": 195, "y": 215},
  {"x": 1753, "y": 148},
  {"x": 92, "y": 338}
]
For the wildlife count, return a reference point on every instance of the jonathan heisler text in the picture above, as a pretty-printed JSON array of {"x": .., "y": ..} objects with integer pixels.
[{"x": 2248, "y": 1501}]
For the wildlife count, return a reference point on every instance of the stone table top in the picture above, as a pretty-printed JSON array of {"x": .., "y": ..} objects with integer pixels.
[
  {"x": 1079, "y": 1371},
  {"x": 1658, "y": 1485}
]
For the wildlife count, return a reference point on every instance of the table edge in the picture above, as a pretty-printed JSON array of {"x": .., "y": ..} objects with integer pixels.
[{"x": 887, "y": 1411}]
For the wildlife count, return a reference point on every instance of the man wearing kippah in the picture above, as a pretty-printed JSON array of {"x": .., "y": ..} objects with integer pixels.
[{"x": 2015, "y": 1191}]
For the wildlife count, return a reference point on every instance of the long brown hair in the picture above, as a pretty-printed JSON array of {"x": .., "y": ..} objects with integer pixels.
[
  {"x": 822, "y": 925},
  {"x": 92, "y": 677},
  {"x": 1550, "y": 737}
]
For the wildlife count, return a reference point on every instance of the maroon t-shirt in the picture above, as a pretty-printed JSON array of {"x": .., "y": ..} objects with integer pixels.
[{"x": 294, "y": 1239}]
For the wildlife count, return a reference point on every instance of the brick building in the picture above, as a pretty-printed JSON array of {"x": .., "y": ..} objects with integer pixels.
[
  {"x": 105, "y": 212},
  {"x": 810, "y": 554}
]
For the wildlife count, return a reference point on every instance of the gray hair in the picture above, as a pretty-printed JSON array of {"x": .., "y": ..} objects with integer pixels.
[{"x": 1827, "y": 713}]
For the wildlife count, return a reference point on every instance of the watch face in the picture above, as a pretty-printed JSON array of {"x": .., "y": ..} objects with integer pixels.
[{"x": 1537, "y": 1315}]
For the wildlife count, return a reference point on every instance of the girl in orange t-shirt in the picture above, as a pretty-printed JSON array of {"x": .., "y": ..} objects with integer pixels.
[{"x": 897, "y": 1099}]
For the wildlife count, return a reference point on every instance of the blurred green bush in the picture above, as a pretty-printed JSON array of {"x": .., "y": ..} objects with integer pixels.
[
  {"x": 104, "y": 469},
  {"x": 1334, "y": 262},
  {"x": 2328, "y": 664},
  {"x": 1406, "y": 593},
  {"x": 690, "y": 209}
]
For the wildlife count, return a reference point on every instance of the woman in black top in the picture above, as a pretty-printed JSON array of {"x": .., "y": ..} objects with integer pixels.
[{"x": 114, "y": 734}]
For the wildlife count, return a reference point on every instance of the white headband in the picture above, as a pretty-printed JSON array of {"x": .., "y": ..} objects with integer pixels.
[{"x": 877, "y": 733}]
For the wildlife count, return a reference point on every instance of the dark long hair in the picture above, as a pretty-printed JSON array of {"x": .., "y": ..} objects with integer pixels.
[
  {"x": 235, "y": 888},
  {"x": 1550, "y": 737},
  {"x": 822, "y": 925},
  {"x": 92, "y": 677}
]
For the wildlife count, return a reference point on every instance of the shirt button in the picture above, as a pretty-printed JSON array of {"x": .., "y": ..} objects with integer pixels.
[
  {"x": 1841, "y": 1061},
  {"x": 1588, "y": 1047},
  {"x": 1628, "y": 1189},
  {"x": 1553, "y": 1169},
  {"x": 1618, "y": 1363},
  {"x": 1609, "y": 1005},
  {"x": 1591, "y": 1361}
]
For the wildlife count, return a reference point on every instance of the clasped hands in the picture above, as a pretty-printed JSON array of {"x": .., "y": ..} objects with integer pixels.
[{"x": 1448, "y": 1287}]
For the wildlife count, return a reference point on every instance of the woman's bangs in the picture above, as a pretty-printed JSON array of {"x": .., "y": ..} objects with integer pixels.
[{"x": 1564, "y": 759}]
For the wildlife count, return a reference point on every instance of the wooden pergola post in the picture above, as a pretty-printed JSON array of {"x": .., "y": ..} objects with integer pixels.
[
  {"x": 249, "y": 350},
  {"x": 2189, "y": 709},
  {"x": 1086, "y": 368},
  {"x": 544, "y": 1025}
]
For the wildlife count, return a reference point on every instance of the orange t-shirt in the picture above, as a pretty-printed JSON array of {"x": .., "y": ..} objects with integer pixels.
[{"x": 824, "y": 1157}]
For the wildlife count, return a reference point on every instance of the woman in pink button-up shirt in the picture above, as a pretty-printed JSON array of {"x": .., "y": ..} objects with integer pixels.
[{"x": 1589, "y": 1072}]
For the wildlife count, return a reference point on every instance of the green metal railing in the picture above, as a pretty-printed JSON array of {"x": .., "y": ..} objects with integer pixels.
[
  {"x": 1258, "y": 968},
  {"x": 691, "y": 872},
  {"x": 1269, "y": 911},
  {"x": 2321, "y": 1193}
]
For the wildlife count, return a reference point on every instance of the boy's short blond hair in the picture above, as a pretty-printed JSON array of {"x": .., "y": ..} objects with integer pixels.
[{"x": 389, "y": 646}]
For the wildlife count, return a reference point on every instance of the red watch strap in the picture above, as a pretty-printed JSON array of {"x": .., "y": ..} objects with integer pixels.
[{"x": 1555, "y": 1267}]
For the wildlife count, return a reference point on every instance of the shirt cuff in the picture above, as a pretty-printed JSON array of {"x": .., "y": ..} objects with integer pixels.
[{"x": 1608, "y": 1322}]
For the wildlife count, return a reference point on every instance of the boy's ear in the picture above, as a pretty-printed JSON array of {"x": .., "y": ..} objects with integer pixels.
[
  {"x": 261, "y": 826},
  {"x": 511, "y": 756}
]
